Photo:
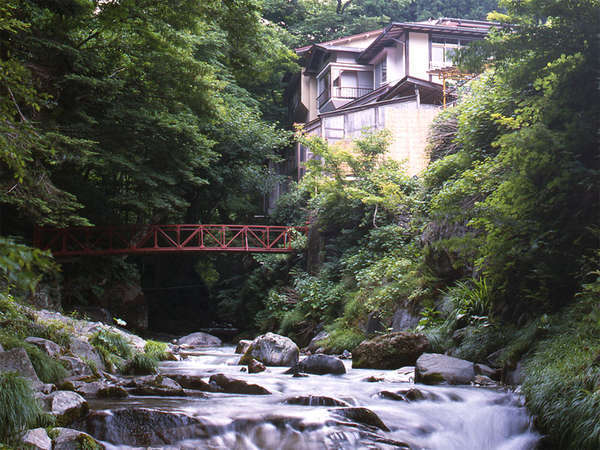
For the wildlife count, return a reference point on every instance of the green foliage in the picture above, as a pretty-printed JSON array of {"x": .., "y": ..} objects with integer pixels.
[
  {"x": 21, "y": 267},
  {"x": 563, "y": 375},
  {"x": 156, "y": 350},
  {"x": 113, "y": 348},
  {"x": 317, "y": 20},
  {"x": 473, "y": 299},
  {"x": 341, "y": 338},
  {"x": 47, "y": 369},
  {"x": 142, "y": 364},
  {"x": 19, "y": 409}
]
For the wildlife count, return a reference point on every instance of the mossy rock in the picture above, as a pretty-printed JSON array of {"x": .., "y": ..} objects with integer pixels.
[{"x": 390, "y": 351}]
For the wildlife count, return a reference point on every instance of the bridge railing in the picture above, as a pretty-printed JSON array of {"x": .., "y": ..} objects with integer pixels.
[{"x": 116, "y": 240}]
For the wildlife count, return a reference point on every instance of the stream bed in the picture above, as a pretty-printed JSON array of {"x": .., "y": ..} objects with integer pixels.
[{"x": 446, "y": 418}]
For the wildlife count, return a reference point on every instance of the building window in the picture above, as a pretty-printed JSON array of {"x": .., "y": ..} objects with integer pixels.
[
  {"x": 381, "y": 72},
  {"x": 443, "y": 52}
]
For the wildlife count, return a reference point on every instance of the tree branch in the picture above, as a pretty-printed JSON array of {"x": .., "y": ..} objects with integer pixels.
[{"x": 14, "y": 100}]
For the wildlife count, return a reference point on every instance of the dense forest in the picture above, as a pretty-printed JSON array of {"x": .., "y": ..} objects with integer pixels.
[{"x": 173, "y": 112}]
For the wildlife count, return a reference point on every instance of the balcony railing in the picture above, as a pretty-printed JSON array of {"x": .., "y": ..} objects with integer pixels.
[{"x": 351, "y": 92}]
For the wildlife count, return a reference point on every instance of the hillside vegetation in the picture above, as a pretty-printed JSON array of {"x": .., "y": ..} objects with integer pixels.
[{"x": 147, "y": 112}]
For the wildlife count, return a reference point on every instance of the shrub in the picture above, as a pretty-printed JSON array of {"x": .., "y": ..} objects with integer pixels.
[
  {"x": 141, "y": 364},
  {"x": 342, "y": 338},
  {"x": 156, "y": 350},
  {"x": 19, "y": 409},
  {"x": 562, "y": 378}
]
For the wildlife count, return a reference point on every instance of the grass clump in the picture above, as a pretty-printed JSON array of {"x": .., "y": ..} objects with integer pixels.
[
  {"x": 341, "y": 338},
  {"x": 141, "y": 364},
  {"x": 47, "y": 369},
  {"x": 113, "y": 348},
  {"x": 562, "y": 377},
  {"x": 19, "y": 409},
  {"x": 156, "y": 350}
]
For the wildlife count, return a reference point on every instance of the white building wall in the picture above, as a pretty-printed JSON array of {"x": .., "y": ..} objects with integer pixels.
[
  {"x": 309, "y": 95},
  {"x": 418, "y": 55},
  {"x": 395, "y": 63}
]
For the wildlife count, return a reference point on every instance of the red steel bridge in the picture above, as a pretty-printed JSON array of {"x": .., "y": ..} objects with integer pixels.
[{"x": 145, "y": 239}]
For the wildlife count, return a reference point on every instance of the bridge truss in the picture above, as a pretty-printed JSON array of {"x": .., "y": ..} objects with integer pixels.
[{"x": 145, "y": 239}]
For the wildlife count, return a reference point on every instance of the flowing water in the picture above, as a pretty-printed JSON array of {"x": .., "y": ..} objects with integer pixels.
[{"x": 449, "y": 418}]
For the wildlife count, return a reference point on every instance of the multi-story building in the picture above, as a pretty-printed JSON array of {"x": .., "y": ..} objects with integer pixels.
[{"x": 383, "y": 79}]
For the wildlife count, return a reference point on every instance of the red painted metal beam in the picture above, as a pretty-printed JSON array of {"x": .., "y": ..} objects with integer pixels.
[{"x": 143, "y": 239}]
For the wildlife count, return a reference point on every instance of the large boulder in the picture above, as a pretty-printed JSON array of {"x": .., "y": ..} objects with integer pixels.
[
  {"x": 234, "y": 386},
  {"x": 320, "y": 365},
  {"x": 272, "y": 350},
  {"x": 68, "y": 439},
  {"x": 143, "y": 427},
  {"x": 84, "y": 351},
  {"x": 390, "y": 351},
  {"x": 17, "y": 360},
  {"x": 434, "y": 368},
  {"x": 36, "y": 439},
  {"x": 67, "y": 406},
  {"x": 49, "y": 347},
  {"x": 199, "y": 339}
]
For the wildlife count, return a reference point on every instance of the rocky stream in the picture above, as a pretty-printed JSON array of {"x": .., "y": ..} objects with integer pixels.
[{"x": 205, "y": 398}]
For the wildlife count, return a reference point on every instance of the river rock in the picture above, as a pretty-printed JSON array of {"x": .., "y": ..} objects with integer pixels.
[
  {"x": 48, "y": 347},
  {"x": 84, "y": 351},
  {"x": 315, "y": 343},
  {"x": 67, "y": 406},
  {"x": 482, "y": 369},
  {"x": 143, "y": 427},
  {"x": 243, "y": 346},
  {"x": 482, "y": 380},
  {"x": 157, "y": 385},
  {"x": 407, "y": 395},
  {"x": 320, "y": 365},
  {"x": 75, "y": 366},
  {"x": 193, "y": 382},
  {"x": 272, "y": 350},
  {"x": 233, "y": 386},
  {"x": 390, "y": 351},
  {"x": 68, "y": 439},
  {"x": 199, "y": 339},
  {"x": 361, "y": 415},
  {"x": 36, "y": 439},
  {"x": 434, "y": 368},
  {"x": 99, "y": 389},
  {"x": 255, "y": 366},
  {"x": 17, "y": 360},
  {"x": 404, "y": 319},
  {"x": 315, "y": 400}
]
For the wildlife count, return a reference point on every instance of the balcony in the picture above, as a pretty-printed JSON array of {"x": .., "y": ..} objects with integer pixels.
[
  {"x": 343, "y": 93},
  {"x": 350, "y": 92}
]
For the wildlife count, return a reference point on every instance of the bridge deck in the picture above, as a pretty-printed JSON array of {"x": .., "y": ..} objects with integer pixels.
[{"x": 143, "y": 239}]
